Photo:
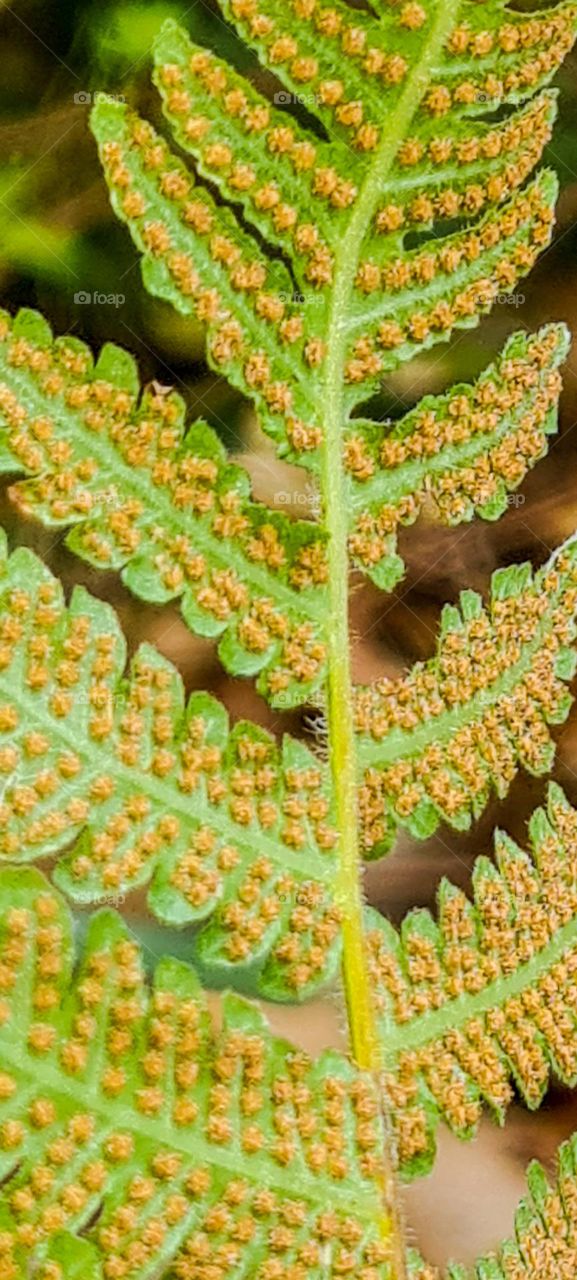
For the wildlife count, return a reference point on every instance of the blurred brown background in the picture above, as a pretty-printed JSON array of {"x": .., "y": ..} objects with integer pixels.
[{"x": 58, "y": 237}]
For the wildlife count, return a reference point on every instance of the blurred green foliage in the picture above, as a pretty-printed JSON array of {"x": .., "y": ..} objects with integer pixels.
[{"x": 58, "y": 235}]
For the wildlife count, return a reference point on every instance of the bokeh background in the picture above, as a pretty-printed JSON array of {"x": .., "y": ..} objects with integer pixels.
[{"x": 58, "y": 237}]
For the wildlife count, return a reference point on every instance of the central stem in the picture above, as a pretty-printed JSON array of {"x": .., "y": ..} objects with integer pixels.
[{"x": 361, "y": 1018}]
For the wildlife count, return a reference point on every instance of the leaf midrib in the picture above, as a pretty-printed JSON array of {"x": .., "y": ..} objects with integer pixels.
[
  {"x": 363, "y": 1029},
  {"x": 342, "y": 738}
]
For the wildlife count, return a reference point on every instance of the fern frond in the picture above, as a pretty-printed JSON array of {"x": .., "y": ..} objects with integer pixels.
[
  {"x": 355, "y": 68},
  {"x": 137, "y": 1140},
  {"x": 434, "y": 744},
  {"x": 544, "y": 1246},
  {"x": 125, "y": 783},
  {"x": 464, "y": 451},
  {"x": 160, "y": 503},
  {"x": 217, "y": 115},
  {"x": 167, "y": 509},
  {"x": 341, "y": 210},
  {"x": 486, "y": 993}
]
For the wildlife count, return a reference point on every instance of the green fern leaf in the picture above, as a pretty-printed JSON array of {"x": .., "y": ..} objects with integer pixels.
[
  {"x": 217, "y": 116},
  {"x": 476, "y": 58},
  {"x": 320, "y": 252},
  {"x": 167, "y": 509},
  {"x": 463, "y": 451},
  {"x": 434, "y": 744},
  {"x": 137, "y": 1140},
  {"x": 435, "y": 69},
  {"x": 484, "y": 994},
  {"x": 124, "y": 782},
  {"x": 163, "y": 506},
  {"x": 470, "y": 170},
  {"x": 545, "y": 1243},
  {"x": 398, "y": 320},
  {"x": 197, "y": 256},
  {"x": 430, "y": 68}
]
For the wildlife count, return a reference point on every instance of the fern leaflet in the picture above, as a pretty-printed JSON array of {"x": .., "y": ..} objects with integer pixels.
[
  {"x": 173, "y": 1149},
  {"x": 126, "y": 783},
  {"x": 164, "y": 507},
  {"x": 486, "y": 993},
  {"x": 462, "y": 452},
  {"x": 433, "y": 744},
  {"x": 340, "y": 211}
]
